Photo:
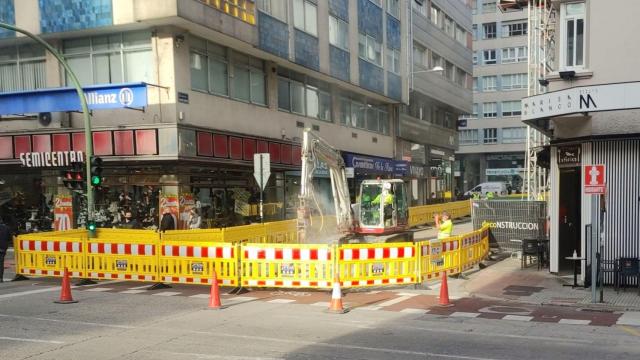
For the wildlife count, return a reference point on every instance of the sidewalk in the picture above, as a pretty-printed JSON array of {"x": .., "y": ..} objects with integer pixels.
[{"x": 505, "y": 280}]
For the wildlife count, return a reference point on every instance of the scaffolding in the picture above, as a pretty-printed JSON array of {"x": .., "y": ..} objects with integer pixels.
[{"x": 541, "y": 58}]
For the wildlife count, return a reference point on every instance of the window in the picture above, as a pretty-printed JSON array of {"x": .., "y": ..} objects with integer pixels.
[
  {"x": 514, "y": 29},
  {"x": 489, "y": 30},
  {"x": 419, "y": 55},
  {"x": 304, "y": 96},
  {"x": 514, "y": 81},
  {"x": 115, "y": 58},
  {"x": 489, "y": 57},
  {"x": 474, "y": 31},
  {"x": 475, "y": 110},
  {"x": 461, "y": 77},
  {"x": 393, "y": 60},
  {"x": 449, "y": 26},
  {"x": 420, "y": 7},
  {"x": 468, "y": 137},
  {"x": 489, "y": 7},
  {"x": 572, "y": 34},
  {"x": 475, "y": 84},
  {"x": 489, "y": 110},
  {"x": 436, "y": 60},
  {"x": 490, "y": 136},
  {"x": 393, "y": 8},
  {"x": 514, "y": 54},
  {"x": 461, "y": 35},
  {"x": 242, "y": 78},
  {"x": 364, "y": 116},
  {"x": 475, "y": 58},
  {"x": 369, "y": 49},
  {"x": 377, "y": 2},
  {"x": 338, "y": 33},
  {"x": 489, "y": 83},
  {"x": 511, "y": 108},
  {"x": 275, "y": 8},
  {"x": 449, "y": 71},
  {"x": 513, "y": 135},
  {"x": 435, "y": 16},
  {"x": 22, "y": 68},
  {"x": 305, "y": 16}
]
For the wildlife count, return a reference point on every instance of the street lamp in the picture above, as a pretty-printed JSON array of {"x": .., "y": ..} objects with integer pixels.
[{"x": 85, "y": 113}]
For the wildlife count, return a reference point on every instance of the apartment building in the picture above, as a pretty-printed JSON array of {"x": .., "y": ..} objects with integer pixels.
[{"x": 493, "y": 138}]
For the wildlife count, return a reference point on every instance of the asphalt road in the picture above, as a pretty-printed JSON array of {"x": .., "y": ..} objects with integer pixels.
[{"x": 105, "y": 325}]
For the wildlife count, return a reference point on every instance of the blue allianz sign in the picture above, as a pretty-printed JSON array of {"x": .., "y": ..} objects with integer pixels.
[{"x": 99, "y": 97}]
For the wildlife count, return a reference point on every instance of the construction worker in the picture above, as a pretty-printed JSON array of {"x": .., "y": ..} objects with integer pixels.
[
  {"x": 489, "y": 195},
  {"x": 444, "y": 225},
  {"x": 386, "y": 196},
  {"x": 475, "y": 195}
]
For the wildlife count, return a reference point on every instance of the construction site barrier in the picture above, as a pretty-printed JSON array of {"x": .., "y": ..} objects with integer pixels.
[
  {"x": 423, "y": 215},
  {"x": 148, "y": 256}
]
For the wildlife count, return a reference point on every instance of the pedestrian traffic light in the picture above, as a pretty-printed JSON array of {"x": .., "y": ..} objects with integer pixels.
[
  {"x": 96, "y": 171},
  {"x": 91, "y": 228},
  {"x": 73, "y": 179}
]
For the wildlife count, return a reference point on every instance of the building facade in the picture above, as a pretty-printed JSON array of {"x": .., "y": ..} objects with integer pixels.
[
  {"x": 590, "y": 113},
  {"x": 441, "y": 39},
  {"x": 214, "y": 81},
  {"x": 493, "y": 138}
]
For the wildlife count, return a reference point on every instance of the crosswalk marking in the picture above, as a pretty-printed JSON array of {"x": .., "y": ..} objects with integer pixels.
[
  {"x": 394, "y": 301},
  {"x": 518, "y": 318},
  {"x": 132, "y": 291},
  {"x": 464, "y": 314},
  {"x": 574, "y": 322},
  {"x": 99, "y": 289},
  {"x": 414, "y": 311},
  {"x": 167, "y": 293},
  {"x": 281, "y": 301}
]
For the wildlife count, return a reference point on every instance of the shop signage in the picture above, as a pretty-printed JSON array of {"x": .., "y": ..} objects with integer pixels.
[
  {"x": 51, "y": 159},
  {"x": 63, "y": 213},
  {"x": 367, "y": 164},
  {"x": 187, "y": 202},
  {"x": 569, "y": 156},
  {"x": 169, "y": 202},
  {"x": 99, "y": 97},
  {"x": 503, "y": 172},
  {"x": 606, "y": 97},
  {"x": 594, "y": 182}
]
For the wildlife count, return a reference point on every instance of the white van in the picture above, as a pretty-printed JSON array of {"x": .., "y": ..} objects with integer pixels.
[{"x": 498, "y": 189}]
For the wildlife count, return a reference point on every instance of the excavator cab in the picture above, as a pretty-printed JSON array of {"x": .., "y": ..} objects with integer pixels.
[{"x": 383, "y": 207}]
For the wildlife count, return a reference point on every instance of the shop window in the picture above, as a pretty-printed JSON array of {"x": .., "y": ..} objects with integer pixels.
[{"x": 108, "y": 59}]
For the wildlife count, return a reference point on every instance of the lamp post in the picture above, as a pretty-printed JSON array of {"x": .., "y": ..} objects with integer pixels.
[{"x": 85, "y": 112}]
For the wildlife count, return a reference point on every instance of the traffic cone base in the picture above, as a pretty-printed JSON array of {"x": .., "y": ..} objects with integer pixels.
[
  {"x": 65, "y": 291},
  {"x": 335, "y": 306},
  {"x": 214, "y": 296},
  {"x": 444, "y": 292}
]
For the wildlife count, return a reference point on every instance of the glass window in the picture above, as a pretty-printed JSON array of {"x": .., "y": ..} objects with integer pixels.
[
  {"x": 572, "y": 34},
  {"x": 297, "y": 98},
  {"x": 305, "y": 16},
  {"x": 240, "y": 84},
  {"x": 275, "y": 8},
  {"x": 372, "y": 119},
  {"x": 345, "y": 111},
  {"x": 490, "y": 136},
  {"x": 303, "y": 98},
  {"x": 420, "y": 7},
  {"x": 489, "y": 30},
  {"x": 511, "y": 108},
  {"x": 489, "y": 110},
  {"x": 461, "y": 35},
  {"x": 514, "y": 29},
  {"x": 338, "y": 33},
  {"x": 489, "y": 57},
  {"x": 449, "y": 26},
  {"x": 468, "y": 137},
  {"x": 436, "y": 60},
  {"x": 489, "y": 7},
  {"x": 449, "y": 71},
  {"x": 435, "y": 16},
  {"x": 358, "y": 115},
  {"x": 393, "y": 60},
  {"x": 475, "y": 110},
  {"x": 513, "y": 135},
  {"x": 284, "y": 95},
  {"x": 514, "y": 54},
  {"x": 370, "y": 49},
  {"x": 22, "y": 68},
  {"x": 393, "y": 8},
  {"x": 218, "y": 77},
  {"x": 514, "y": 81},
  {"x": 257, "y": 89},
  {"x": 489, "y": 83},
  {"x": 419, "y": 55}
]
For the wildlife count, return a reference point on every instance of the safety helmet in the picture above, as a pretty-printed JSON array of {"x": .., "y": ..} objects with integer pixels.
[{"x": 386, "y": 186}]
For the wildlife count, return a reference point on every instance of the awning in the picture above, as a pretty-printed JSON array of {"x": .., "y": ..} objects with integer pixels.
[{"x": 99, "y": 97}]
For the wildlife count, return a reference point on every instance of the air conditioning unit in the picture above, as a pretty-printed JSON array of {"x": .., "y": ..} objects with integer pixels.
[{"x": 53, "y": 120}]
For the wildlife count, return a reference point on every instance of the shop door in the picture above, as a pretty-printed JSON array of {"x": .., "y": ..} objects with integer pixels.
[{"x": 569, "y": 212}]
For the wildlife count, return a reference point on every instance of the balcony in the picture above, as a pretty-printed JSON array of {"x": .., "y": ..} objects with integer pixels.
[{"x": 240, "y": 9}]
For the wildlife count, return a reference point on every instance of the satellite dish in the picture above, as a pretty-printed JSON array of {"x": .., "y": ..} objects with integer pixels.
[{"x": 44, "y": 118}]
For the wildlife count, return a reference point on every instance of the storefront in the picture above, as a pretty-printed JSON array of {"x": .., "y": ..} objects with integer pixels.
[{"x": 440, "y": 185}]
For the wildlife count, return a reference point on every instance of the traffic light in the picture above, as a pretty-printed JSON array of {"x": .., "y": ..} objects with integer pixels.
[
  {"x": 73, "y": 179},
  {"x": 96, "y": 171}
]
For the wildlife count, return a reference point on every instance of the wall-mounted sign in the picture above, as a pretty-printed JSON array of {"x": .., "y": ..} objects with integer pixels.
[
  {"x": 503, "y": 172},
  {"x": 569, "y": 156},
  {"x": 582, "y": 99},
  {"x": 183, "y": 98},
  {"x": 51, "y": 159}
]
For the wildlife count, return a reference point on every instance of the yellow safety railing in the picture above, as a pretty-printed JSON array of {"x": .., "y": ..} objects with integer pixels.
[
  {"x": 422, "y": 215},
  {"x": 193, "y": 262},
  {"x": 40, "y": 254},
  {"x": 362, "y": 265}
]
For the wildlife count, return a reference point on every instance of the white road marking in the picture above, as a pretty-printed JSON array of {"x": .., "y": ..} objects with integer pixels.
[
  {"x": 368, "y": 308},
  {"x": 494, "y": 335},
  {"x": 31, "y": 340},
  {"x": 281, "y": 301},
  {"x": 465, "y": 314},
  {"x": 139, "y": 287},
  {"x": 414, "y": 311},
  {"x": 167, "y": 293},
  {"x": 132, "y": 291},
  {"x": 209, "y": 356},
  {"x": 200, "y": 296},
  {"x": 67, "y": 321},
  {"x": 321, "y": 304},
  {"x": 574, "y": 322},
  {"x": 407, "y": 294},
  {"x": 99, "y": 289},
  {"x": 30, "y": 292},
  {"x": 243, "y": 299},
  {"x": 629, "y": 318},
  {"x": 394, "y": 301},
  {"x": 517, "y": 318}
]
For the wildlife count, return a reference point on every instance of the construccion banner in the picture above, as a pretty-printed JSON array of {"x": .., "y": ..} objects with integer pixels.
[{"x": 510, "y": 220}]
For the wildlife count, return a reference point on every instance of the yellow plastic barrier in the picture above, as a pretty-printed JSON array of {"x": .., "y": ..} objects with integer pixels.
[
  {"x": 422, "y": 215},
  {"x": 123, "y": 254},
  {"x": 192, "y": 262},
  {"x": 281, "y": 232},
  {"x": 471, "y": 252},
  {"x": 287, "y": 265},
  {"x": 194, "y": 235},
  {"x": 438, "y": 256},
  {"x": 40, "y": 254},
  {"x": 377, "y": 264}
]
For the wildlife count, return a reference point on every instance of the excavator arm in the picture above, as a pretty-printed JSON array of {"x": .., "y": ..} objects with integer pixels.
[{"x": 315, "y": 149}]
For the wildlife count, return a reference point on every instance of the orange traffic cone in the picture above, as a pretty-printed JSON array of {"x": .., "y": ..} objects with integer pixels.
[
  {"x": 65, "y": 292},
  {"x": 335, "y": 306},
  {"x": 214, "y": 297},
  {"x": 444, "y": 292}
]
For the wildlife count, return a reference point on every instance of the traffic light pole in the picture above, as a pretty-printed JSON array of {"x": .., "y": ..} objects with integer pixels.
[{"x": 85, "y": 112}]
